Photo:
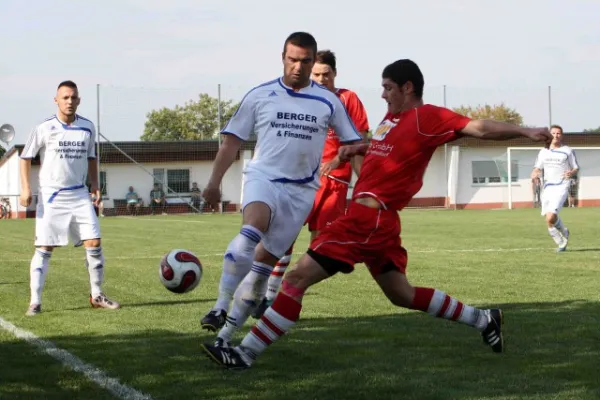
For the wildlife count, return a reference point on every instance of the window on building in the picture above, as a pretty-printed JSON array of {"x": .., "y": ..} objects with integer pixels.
[
  {"x": 159, "y": 176},
  {"x": 491, "y": 171},
  {"x": 179, "y": 180}
]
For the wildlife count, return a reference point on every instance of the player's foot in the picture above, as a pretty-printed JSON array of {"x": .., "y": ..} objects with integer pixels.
[
  {"x": 227, "y": 357},
  {"x": 261, "y": 308},
  {"x": 220, "y": 342},
  {"x": 565, "y": 242},
  {"x": 101, "y": 301},
  {"x": 492, "y": 335},
  {"x": 214, "y": 320},
  {"x": 34, "y": 309}
]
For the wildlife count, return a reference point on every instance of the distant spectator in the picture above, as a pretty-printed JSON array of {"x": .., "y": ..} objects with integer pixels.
[
  {"x": 573, "y": 189},
  {"x": 157, "y": 199},
  {"x": 133, "y": 201},
  {"x": 197, "y": 200}
]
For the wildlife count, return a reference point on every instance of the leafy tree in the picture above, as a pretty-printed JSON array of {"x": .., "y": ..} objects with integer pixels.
[
  {"x": 592, "y": 130},
  {"x": 2, "y": 151},
  {"x": 195, "y": 120},
  {"x": 498, "y": 112}
]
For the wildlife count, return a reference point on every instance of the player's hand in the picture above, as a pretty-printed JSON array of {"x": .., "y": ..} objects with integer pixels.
[
  {"x": 568, "y": 174},
  {"x": 329, "y": 166},
  {"x": 212, "y": 195},
  {"x": 25, "y": 198},
  {"x": 98, "y": 196},
  {"x": 540, "y": 135}
]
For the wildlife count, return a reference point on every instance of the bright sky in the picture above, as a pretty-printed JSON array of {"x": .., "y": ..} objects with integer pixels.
[{"x": 147, "y": 54}]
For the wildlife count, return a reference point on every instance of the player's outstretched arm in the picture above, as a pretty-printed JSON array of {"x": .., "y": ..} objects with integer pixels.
[
  {"x": 495, "y": 130},
  {"x": 25, "y": 167},
  {"x": 345, "y": 153},
  {"x": 225, "y": 157}
]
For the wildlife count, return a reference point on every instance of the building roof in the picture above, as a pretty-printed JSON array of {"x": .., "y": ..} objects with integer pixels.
[{"x": 206, "y": 150}]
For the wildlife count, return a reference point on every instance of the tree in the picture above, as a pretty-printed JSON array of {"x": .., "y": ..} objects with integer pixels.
[
  {"x": 195, "y": 120},
  {"x": 592, "y": 130},
  {"x": 2, "y": 151},
  {"x": 498, "y": 112}
]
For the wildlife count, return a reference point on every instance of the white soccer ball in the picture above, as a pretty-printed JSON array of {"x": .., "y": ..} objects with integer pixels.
[{"x": 180, "y": 271}]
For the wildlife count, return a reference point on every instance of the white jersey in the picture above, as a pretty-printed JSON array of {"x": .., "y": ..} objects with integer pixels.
[
  {"x": 291, "y": 128},
  {"x": 64, "y": 152},
  {"x": 555, "y": 163}
]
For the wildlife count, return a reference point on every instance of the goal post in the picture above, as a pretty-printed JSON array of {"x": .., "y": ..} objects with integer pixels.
[{"x": 586, "y": 187}]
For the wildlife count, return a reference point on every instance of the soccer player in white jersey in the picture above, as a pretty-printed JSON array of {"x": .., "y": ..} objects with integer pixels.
[
  {"x": 66, "y": 145},
  {"x": 290, "y": 116},
  {"x": 559, "y": 164}
]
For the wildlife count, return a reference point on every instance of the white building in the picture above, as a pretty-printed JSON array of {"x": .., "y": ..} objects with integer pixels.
[{"x": 466, "y": 174}]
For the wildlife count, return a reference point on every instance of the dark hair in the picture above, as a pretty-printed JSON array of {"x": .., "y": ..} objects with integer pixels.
[
  {"x": 327, "y": 57},
  {"x": 69, "y": 84},
  {"x": 403, "y": 71},
  {"x": 557, "y": 127},
  {"x": 301, "y": 39}
]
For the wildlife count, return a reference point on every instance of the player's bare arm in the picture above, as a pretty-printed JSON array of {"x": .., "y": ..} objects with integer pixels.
[
  {"x": 93, "y": 179},
  {"x": 347, "y": 152},
  {"x": 536, "y": 173},
  {"x": 25, "y": 197},
  {"x": 495, "y": 130},
  {"x": 225, "y": 157}
]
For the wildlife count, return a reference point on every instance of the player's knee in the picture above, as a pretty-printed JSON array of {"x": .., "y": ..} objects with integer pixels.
[
  {"x": 46, "y": 248},
  {"x": 551, "y": 218},
  {"x": 92, "y": 243}
]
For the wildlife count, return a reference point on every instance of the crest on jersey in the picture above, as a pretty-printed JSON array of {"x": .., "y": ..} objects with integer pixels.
[{"x": 383, "y": 129}]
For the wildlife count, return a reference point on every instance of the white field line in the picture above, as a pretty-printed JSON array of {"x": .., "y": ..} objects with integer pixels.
[
  {"x": 67, "y": 359},
  {"x": 429, "y": 251}
]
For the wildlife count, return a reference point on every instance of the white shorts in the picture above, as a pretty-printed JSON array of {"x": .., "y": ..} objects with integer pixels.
[
  {"x": 67, "y": 214},
  {"x": 553, "y": 198},
  {"x": 290, "y": 205}
]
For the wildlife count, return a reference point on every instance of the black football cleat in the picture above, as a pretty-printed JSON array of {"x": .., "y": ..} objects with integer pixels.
[
  {"x": 214, "y": 320},
  {"x": 226, "y": 357},
  {"x": 492, "y": 335}
]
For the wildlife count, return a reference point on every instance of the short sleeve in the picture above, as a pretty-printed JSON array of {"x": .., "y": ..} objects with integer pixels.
[
  {"x": 440, "y": 125},
  {"x": 539, "y": 162},
  {"x": 34, "y": 143},
  {"x": 243, "y": 120},
  {"x": 92, "y": 145},
  {"x": 342, "y": 124},
  {"x": 356, "y": 111}
]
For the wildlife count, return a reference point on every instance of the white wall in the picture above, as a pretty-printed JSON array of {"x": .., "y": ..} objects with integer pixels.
[{"x": 10, "y": 182}]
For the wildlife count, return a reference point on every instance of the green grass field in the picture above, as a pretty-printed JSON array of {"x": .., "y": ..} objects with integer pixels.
[{"x": 350, "y": 343}]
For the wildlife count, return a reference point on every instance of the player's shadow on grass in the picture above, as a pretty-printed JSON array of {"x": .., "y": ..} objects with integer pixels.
[
  {"x": 149, "y": 304},
  {"x": 582, "y": 250},
  {"x": 552, "y": 352}
]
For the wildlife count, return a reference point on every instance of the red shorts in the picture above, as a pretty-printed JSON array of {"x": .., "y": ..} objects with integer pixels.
[
  {"x": 364, "y": 235},
  {"x": 329, "y": 205}
]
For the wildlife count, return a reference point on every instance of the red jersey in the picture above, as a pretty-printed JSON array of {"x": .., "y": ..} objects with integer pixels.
[
  {"x": 400, "y": 151},
  {"x": 358, "y": 115}
]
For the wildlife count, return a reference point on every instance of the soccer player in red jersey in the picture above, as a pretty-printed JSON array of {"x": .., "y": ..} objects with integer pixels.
[
  {"x": 391, "y": 174},
  {"x": 330, "y": 200}
]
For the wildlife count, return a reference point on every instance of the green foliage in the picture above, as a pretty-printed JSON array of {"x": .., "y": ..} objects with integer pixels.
[
  {"x": 592, "y": 130},
  {"x": 195, "y": 120},
  {"x": 498, "y": 112},
  {"x": 2, "y": 151}
]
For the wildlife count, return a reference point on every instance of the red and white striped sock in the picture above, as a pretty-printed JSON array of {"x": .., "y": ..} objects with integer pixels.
[
  {"x": 438, "y": 304},
  {"x": 277, "y": 274},
  {"x": 275, "y": 322}
]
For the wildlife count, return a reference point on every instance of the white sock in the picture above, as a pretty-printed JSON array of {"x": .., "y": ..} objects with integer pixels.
[
  {"x": 38, "y": 270},
  {"x": 556, "y": 235},
  {"x": 236, "y": 264},
  {"x": 94, "y": 262},
  {"x": 247, "y": 297},
  {"x": 561, "y": 228}
]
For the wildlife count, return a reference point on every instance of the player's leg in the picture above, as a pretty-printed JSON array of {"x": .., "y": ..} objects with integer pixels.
[
  {"x": 277, "y": 319},
  {"x": 393, "y": 282},
  {"x": 257, "y": 210},
  {"x": 85, "y": 226},
  {"x": 51, "y": 230},
  {"x": 552, "y": 202},
  {"x": 292, "y": 208},
  {"x": 248, "y": 295}
]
